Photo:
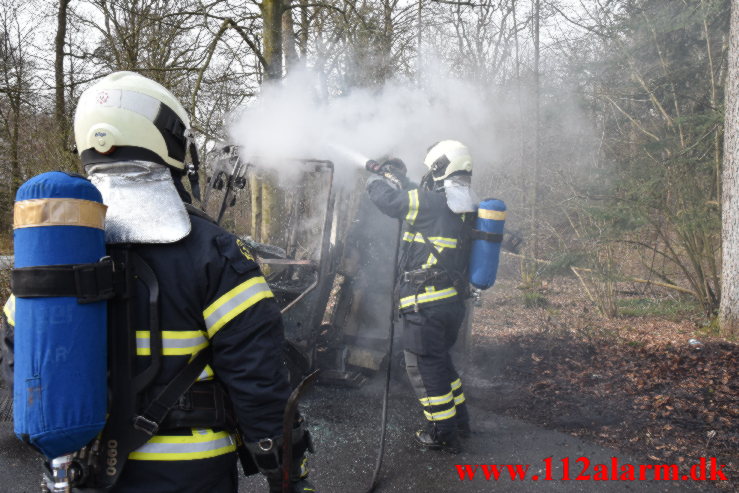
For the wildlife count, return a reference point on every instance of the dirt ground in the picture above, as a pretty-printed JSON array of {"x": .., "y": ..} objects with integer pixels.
[
  {"x": 633, "y": 383},
  {"x": 554, "y": 381}
]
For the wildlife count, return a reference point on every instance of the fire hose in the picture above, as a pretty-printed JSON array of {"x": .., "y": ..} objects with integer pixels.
[{"x": 386, "y": 394}]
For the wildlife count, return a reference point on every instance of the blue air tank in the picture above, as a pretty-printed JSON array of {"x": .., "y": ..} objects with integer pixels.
[
  {"x": 485, "y": 254},
  {"x": 60, "y": 345}
]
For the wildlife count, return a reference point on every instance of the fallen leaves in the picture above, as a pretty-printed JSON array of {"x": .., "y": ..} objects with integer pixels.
[{"x": 669, "y": 397}]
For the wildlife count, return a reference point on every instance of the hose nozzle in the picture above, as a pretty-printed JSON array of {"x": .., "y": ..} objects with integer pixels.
[{"x": 373, "y": 167}]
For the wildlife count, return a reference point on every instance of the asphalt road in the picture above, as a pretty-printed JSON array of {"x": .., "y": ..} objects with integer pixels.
[{"x": 345, "y": 424}]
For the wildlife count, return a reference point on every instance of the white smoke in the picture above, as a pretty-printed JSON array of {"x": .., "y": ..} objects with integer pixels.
[{"x": 401, "y": 119}]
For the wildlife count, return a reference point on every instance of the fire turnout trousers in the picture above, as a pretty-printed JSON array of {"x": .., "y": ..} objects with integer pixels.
[
  {"x": 429, "y": 336},
  {"x": 212, "y": 475}
]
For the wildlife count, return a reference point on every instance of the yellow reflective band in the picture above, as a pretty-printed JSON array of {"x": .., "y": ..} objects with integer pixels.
[
  {"x": 436, "y": 401},
  {"x": 440, "y": 242},
  {"x": 441, "y": 415},
  {"x": 304, "y": 468},
  {"x": 174, "y": 342},
  {"x": 206, "y": 374},
  {"x": 456, "y": 384},
  {"x": 412, "y": 206},
  {"x": 9, "y": 310},
  {"x": 494, "y": 215},
  {"x": 459, "y": 399},
  {"x": 58, "y": 212},
  {"x": 235, "y": 302},
  {"x": 202, "y": 444},
  {"x": 429, "y": 262},
  {"x": 427, "y": 297}
]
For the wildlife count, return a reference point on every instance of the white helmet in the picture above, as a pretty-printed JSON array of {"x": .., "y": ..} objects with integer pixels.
[
  {"x": 447, "y": 157},
  {"x": 125, "y": 117}
]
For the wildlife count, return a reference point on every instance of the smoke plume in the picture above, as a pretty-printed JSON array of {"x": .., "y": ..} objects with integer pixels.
[{"x": 401, "y": 119}]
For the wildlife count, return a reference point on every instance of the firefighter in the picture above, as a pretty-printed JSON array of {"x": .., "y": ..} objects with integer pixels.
[
  {"x": 133, "y": 137},
  {"x": 432, "y": 286}
]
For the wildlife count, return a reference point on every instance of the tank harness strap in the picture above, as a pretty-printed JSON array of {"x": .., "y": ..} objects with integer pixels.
[
  {"x": 86, "y": 282},
  {"x": 128, "y": 427},
  {"x": 476, "y": 234},
  {"x": 458, "y": 280},
  {"x": 152, "y": 417},
  {"x": 125, "y": 436}
]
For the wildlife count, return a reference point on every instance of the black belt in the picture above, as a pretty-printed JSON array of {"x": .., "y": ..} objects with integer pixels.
[
  {"x": 422, "y": 276},
  {"x": 205, "y": 405}
]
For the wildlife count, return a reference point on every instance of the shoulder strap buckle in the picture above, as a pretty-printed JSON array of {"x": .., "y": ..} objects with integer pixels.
[
  {"x": 146, "y": 425},
  {"x": 94, "y": 282}
]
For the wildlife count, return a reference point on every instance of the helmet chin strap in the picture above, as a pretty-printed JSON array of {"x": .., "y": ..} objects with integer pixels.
[
  {"x": 192, "y": 168},
  {"x": 427, "y": 181}
]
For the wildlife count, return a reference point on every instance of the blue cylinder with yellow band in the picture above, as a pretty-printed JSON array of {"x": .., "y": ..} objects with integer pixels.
[
  {"x": 485, "y": 254},
  {"x": 60, "y": 376}
]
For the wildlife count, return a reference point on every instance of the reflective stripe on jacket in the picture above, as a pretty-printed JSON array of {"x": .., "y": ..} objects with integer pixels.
[
  {"x": 424, "y": 212},
  {"x": 212, "y": 293}
]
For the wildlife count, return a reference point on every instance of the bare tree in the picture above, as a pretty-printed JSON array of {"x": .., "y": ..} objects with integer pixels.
[
  {"x": 729, "y": 312},
  {"x": 15, "y": 96},
  {"x": 60, "y": 113}
]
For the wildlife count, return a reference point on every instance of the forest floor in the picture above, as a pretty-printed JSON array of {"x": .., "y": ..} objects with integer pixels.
[{"x": 633, "y": 383}]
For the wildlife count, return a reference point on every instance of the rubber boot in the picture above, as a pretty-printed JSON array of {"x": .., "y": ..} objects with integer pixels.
[
  {"x": 463, "y": 422},
  {"x": 446, "y": 442}
]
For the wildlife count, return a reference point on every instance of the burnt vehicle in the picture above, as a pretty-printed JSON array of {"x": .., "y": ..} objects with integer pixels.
[{"x": 326, "y": 251}]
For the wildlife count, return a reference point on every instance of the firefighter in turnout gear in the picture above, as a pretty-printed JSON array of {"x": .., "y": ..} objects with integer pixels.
[
  {"x": 433, "y": 280},
  {"x": 197, "y": 296}
]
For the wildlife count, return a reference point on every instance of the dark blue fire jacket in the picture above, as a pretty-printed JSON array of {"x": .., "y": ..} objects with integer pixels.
[
  {"x": 212, "y": 293},
  {"x": 427, "y": 212}
]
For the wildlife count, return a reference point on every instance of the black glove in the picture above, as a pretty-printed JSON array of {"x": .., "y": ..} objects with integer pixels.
[
  {"x": 265, "y": 456},
  {"x": 392, "y": 169},
  {"x": 373, "y": 167},
  {"x": 296, "y": 486},
  {"x": 298, "y": 478},
  {"x": 394, "y": 166}
]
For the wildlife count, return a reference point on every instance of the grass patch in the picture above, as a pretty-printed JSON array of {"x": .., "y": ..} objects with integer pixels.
[
  {"x": 651, "y": 307},
  {"x": 534, "y": 299},
  {"x": 711, "y": 327}
]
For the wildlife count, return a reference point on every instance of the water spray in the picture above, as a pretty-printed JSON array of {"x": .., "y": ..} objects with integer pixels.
[{"x": 354, "y": 156}]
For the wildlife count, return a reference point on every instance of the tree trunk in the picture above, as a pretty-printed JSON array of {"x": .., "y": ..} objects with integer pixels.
[
  {"x": 729, "y": 311},
  {"x": 537, "y": 129},
  {"x": 288, "y": 38},
  {"x": 272, "y": 17},
  {"x": 255, "y": 187},
  {"x": 304, "y": 29},
  {"x": 60, "y": 114}
]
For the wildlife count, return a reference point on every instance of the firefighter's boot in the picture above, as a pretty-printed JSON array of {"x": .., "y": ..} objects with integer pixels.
[
  {"x": 464, "y": 430},
  {"x": 435, "y": 441}
]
